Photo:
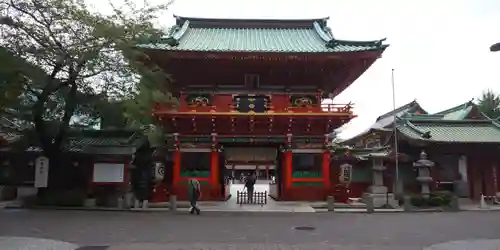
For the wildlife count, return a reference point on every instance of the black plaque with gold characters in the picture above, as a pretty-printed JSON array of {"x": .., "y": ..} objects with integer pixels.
[{"x": 251, "y": 103}]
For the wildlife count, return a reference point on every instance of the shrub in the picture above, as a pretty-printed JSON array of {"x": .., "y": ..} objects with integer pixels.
[
  {"x": 436, "y": 199},
  {"x": 418, "y": 201}
]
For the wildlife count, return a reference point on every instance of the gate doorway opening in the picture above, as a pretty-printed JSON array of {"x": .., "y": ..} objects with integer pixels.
[{"x": 242, "y": 161}]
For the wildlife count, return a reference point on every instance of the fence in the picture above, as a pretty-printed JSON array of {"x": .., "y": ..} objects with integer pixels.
[{"x": 259, "y": 198}]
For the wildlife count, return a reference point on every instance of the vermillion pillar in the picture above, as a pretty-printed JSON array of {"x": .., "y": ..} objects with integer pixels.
[
  {"x": 326, "y": 169},
  {"x": 214, "y": 166},
  {"x": 176, "y": 157},
  {"x": 288, "y": 169},
  {"x": 288, "y": 162},
  {"x": 326, "y": 163}
]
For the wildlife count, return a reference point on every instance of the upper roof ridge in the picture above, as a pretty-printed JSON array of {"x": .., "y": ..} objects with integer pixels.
[
  {"x": 409, "y": 105},
  {"x": 204, "y": 22},
  {"x": 456, "y": 108}
]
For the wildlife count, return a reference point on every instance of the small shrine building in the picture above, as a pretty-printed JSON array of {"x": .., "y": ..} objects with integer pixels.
[{"x": 461, "y": 142}]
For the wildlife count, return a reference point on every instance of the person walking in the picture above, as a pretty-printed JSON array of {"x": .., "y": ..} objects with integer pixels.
[
  {"x": 194, "y": 191},
  {"x": 250, "y": 184}
]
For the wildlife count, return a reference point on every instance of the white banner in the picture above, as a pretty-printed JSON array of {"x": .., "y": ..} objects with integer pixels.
[{"x": 41, "y": 172}]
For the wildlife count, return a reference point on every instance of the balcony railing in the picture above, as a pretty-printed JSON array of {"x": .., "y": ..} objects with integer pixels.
[
  {"x": 323, "y": 108},
  {"x": 337, "y": 108}
]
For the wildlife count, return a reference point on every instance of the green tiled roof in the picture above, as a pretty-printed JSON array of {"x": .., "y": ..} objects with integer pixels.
[
  {"x": 422, "y": 116},
  {"x": 452, "y": 125},
  {"x": 226, "y": 35},
  {"x": 119, "y": 142},
  {"x": 408, "y": 108},
  {"x": 104, "y": 142},
  {"x": 463, "y": 131},
  {"x": 458, "y": 112}
]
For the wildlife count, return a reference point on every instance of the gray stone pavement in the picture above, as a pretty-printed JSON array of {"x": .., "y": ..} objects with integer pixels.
[
  {"x": 467, "y": 245},
  {"x": 339, "y": 231},
  {"x": 28, "y": 243},
  {"x": 24, "y": 243},
  {"x": 255, "y": 246}
]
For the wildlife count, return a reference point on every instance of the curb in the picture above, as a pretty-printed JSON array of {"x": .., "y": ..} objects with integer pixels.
[
  {"x": 213, "y": 211},
  {"x": 163, "y": 211},
  {"x": 93, "y": 248}
]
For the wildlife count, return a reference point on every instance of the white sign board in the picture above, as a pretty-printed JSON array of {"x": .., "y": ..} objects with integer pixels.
[
  {"x": 345, "y": 173},
  {"x": 41, "y": 172},
  {"x": 108, "y": 173}
]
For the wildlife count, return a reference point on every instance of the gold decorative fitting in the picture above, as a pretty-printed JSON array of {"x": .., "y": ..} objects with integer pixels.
[{"x": 303, "y": 102}]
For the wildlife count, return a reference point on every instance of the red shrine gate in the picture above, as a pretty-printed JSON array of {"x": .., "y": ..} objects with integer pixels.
[{"x": 269, "y": 95}]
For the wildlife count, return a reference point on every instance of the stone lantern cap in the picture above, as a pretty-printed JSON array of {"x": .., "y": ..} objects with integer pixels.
[{"x": 423, "y": 162}]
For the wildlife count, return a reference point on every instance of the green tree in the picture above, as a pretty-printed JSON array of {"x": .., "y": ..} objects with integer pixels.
[
  {"x": 138, "y": 110},
  {"x": 87, "y": 57},
  {"x": 11, "y": 79},
  {"x": 489, "y": 104}
]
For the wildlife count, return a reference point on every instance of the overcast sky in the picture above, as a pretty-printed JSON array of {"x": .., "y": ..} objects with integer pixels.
[{"x": 438, "y": 48}]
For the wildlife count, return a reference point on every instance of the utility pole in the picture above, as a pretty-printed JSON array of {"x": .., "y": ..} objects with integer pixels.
[{"x": 395, "y": 135}]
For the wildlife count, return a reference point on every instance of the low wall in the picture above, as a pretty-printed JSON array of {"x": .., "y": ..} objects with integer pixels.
[{"x": 304, "y": 193}]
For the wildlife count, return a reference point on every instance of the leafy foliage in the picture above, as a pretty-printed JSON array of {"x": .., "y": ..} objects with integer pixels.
[
  {"x": 87, "y": 59},
  {"x": 138, "y": 108},
  {"x": 489, "y": 104}
]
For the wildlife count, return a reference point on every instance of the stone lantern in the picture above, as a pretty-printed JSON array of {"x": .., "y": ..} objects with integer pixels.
[
  {"x": 424, "y": 173},
  {"x": 377, "y": 192}
]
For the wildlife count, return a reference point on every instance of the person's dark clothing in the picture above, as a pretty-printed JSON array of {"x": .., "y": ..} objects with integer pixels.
[
  {"x": 249, "y": 184},
  {"x": 194, "y": 193}
]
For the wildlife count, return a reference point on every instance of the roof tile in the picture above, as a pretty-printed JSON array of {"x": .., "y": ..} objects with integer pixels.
[
  {"x": 314, "y": 39},
  {"x": 465, "y": 131}
]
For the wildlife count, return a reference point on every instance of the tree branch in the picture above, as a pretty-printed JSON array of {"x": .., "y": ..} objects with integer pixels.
[
  {"x": 69, "y": 108},
  {"x": 38, "y": 108},
  {"x": 46, "y": 25}
]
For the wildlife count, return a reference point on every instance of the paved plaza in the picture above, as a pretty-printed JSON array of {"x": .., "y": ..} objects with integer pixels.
[{"x": 339, "y": 231}]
